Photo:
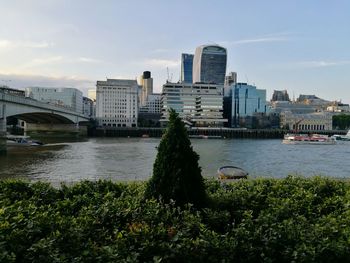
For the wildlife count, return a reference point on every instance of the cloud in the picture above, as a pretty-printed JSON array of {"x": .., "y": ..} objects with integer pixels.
[
  {"x": 162, "y": 63},
  {"x": 20, "y": 81},
  {"x": 6, "y": 44},
  {"x": 88, "y": 60},
  {"x": 278, "y": 37},
  {"x": 320, "y": 63},
  {"x": 57, "y": 59}
]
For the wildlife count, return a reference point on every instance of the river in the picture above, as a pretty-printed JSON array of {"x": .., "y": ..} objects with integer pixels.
[{"x": 127, "y": 159}]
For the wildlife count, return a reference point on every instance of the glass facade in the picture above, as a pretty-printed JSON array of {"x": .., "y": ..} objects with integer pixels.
[
  {"x": 209, "y": 64},
  {"x": 186, "y": 67},
  {"x": 247, "y": 100}
]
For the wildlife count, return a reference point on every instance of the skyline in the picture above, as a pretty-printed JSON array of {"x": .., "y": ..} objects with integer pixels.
[{"x": 298, "y": 46}]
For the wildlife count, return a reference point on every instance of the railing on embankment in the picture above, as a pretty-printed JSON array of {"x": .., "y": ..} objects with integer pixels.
[{"x": 224, "y": 132}]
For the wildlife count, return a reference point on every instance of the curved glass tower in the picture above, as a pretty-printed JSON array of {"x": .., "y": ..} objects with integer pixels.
[{"x": 209, "y": 64}]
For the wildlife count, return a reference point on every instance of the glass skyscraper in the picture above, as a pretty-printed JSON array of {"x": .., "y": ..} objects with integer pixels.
[
  {"x": 209, "y": 64},
  {"x": 186, "y": 68}
]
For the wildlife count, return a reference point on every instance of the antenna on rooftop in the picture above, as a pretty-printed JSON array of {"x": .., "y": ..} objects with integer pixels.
[
  {"x": 247, "y": 78},
  {"x": 169, "y": 76}
]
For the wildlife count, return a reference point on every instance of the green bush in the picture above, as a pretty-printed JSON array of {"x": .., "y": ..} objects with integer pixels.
[{"x": 264, "y": 220}]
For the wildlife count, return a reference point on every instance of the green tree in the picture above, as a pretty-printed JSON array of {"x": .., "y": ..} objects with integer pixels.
[
  {"x": 176, "y": 173},
  {"x": 341, "y": 121}
]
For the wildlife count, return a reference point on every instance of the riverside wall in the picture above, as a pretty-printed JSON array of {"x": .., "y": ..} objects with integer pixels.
[{"x": 223, "y": 132}]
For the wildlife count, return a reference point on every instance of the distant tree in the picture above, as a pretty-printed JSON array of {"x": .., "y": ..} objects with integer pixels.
[
  {"x": 341, "y": 121},
  {"x": 176, "y": 173}
]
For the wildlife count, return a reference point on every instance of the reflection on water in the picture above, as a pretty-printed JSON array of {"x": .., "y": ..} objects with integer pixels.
[{"x": 126, "y": 159}]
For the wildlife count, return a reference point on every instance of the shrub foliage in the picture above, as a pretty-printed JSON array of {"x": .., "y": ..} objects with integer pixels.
[
  {"x": 264, "y": 220},
  {"x": 176, "y": 173}
]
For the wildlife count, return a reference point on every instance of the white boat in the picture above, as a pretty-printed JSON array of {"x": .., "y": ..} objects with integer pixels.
[
  {"x": 338, "y": 137},
  {"x": 21, "y": 141},
  {"x": 314, "y": 139}
]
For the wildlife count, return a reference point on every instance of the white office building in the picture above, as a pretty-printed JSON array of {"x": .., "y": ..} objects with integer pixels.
[
  {"x": 199, "y": 104},
  {"x": 70, "y": 98},
  {"x": 117, "y": 103}
]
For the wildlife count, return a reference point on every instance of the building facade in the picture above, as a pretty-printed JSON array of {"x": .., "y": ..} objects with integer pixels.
[
  {"x": 209, "y": 64},
  {"x": 280, "y": 95},
  {"x": 246, "y": 101},
  {"x": 186, "y": 68},
  {"x": 153, "y": 104},
  {"x": 117, "y": 103},
  {"x": 317, "y": 121},
  {"x": 146, "y": 84},
  {"x": 89, "y": 107},
  {"x": 92, "y": 94},
  {"x": 198, "y": 104},
  {"x": 65, "y": 97}
]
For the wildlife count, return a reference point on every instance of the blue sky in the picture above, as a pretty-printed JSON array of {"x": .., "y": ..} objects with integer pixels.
[{"x": 302, "y": 46}]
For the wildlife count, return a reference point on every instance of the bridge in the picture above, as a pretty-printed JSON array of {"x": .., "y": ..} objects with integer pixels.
[{"x": 37, "y": 115}]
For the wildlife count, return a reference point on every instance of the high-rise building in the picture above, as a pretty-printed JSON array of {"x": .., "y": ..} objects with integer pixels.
[
  {"x": 209, "y": 64},
  {"x": 230, "y": 79},
  {"x": 66, "y": 97},
  {"x": 199, "y": 104},
  {"x": 117, "y": 103},
  {"x": 146, "y": 83},
  {"x": 186, "y": 68},
  {"x": 92, "y": 94},
  {"x": 247, "y": 100}
]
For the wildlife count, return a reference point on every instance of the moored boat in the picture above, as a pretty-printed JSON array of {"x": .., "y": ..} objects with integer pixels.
[
  {"x": 338, "y": 137},
  {"x": 229, "y": 172},
  {"x": 21, "y": 141},
  {"x": 314, "y": 139}
]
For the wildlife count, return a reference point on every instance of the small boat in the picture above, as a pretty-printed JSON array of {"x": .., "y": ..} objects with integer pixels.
[
  {"x": 314, "y": 139},
  {"x": 21, "y": 141},
  {"x": 229, "y": 172},
  {"x": 205, "y": 137},
  {"x": 338, "y": 137}
]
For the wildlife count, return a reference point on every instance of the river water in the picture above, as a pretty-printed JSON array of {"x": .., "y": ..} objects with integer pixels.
[{"x": 126, "y": 159}]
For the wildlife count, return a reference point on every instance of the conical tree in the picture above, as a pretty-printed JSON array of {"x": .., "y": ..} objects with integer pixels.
[{"x": 176, "y": 173}]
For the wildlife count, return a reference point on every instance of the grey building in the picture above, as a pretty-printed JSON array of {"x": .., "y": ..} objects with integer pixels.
[
  {"x": 198, "y": 104},
  {"x": 209, "y": 64}
]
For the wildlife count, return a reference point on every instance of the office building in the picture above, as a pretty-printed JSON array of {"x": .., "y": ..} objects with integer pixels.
[
  {"x": 197, "y": 104},
  {"x": 246, "y": 100},
  {"x": 209, "y": 64},
  {"x": 153, "y": 104},
  {"x": 70, "y": 98},
  {"x": 89, "y": 107},
  {"x": 186, "y": 68},
  {"x": 230, "y": 79},
  {"x": 117, "y": 103},
  {"x": 146, "y": 84},
  {"x": 92, "y": 94}
]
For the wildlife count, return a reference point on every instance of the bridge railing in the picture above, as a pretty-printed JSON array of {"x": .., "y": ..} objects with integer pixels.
[{"x": 31, "y": 102}]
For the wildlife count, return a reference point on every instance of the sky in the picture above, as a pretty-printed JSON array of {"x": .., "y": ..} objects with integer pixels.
[{"x": 297, "y": 45}]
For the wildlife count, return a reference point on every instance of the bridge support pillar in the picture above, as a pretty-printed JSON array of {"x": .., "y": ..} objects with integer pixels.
[
  {"x": 43, "y": 129},
  {"x": 2, "y": 129}
]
